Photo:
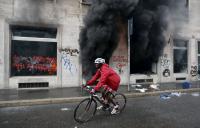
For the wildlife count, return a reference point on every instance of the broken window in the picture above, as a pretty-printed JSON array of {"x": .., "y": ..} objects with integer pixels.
[
  {"x": 140, "y": 62},
  {"x": 33, "y": 51},
  {"x": 180, "y": 56}
]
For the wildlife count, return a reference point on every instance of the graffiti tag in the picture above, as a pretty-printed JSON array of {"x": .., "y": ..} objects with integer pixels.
[
  {"x": 193, "y": 71},
  {"x": 121, "y": 62},
  {"x": 72, "y": 52},
  {"x": 165, "y": 62},
  {"x": 120, "y": 66},
  {"x": 120, "y": 59},
  {"x": 68, "y": 65},
  {"x": 166, "y": 73}
]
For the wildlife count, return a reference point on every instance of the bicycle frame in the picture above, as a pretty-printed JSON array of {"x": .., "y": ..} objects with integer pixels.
[
  {"x": 96, "y": 98},
  {"x": 90, "y": 106}
]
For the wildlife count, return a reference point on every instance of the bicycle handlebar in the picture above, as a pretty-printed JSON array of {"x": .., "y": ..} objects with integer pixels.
[{"x": 88, "y": 88}]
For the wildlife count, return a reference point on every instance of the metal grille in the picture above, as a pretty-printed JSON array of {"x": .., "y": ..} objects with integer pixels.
[
  {"x": 144, "y": 80},
  {"x": 182, "y": 78},
  {"x": 33, "y": 85}
]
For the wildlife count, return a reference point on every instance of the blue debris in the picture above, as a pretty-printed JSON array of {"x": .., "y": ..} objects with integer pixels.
[
  {"x": 186, "y": 85},
  {"x": 165, "y": 96}
]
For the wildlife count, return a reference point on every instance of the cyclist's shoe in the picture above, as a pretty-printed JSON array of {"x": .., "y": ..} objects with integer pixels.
[
  {"x": 104, "y": 108},
  {"x": 100, "y": 107},
  {"x": 115, "y": 110}
]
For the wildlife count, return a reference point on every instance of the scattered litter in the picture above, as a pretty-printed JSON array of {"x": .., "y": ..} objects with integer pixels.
[
  {"x": 165, "y": 96},
  {"x": 178, "y": 94},
  {"x": 186, "y": 85},
  {"x": 141, "y": 90},
  {"x": 195, "y": 94},
  {"x": 136, "y": 86},
  {"x": 184, "y": 93},
  {"x": 65, "y": 109},
  {"x": 154, "y": 86}
]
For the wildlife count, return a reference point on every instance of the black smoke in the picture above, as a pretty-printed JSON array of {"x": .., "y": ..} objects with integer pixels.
[
  {"x": 99, "y": 36},
  {"x": 151, "y": 20},
  {"x": 148, "y": 40}
]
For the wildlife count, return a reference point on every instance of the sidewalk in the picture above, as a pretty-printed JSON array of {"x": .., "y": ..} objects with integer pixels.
[{"x": 18, "y": 97}]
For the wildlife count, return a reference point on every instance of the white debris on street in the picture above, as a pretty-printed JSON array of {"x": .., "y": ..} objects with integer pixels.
[
  {"x": 166, "y": 96},
  {"x": 178, "y": 94},
  {"x": 65, "y": 109},
  {"x": 136, "y": 86},
  {"x": 195, "y": 94},
  {"x": 154, "y": 86},
  {"x": 141, "y": 90}
]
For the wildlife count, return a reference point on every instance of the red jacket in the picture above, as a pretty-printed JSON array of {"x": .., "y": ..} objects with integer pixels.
[{"x": 107, "y": 77}]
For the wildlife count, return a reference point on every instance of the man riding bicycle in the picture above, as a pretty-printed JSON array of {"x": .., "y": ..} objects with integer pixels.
[{"x": 108, "y": 82}]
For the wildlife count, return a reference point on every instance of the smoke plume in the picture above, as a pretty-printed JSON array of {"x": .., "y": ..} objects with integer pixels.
[
  {"x": 99, "y": 36},
  {"x": 147, "y": 42},
  {"x": 151, "y": 22}
]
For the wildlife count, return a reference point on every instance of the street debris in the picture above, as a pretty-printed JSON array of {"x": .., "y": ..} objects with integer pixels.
[
  {"x": 166, "y": 96},
  {"x": 144, "y": 88},
  {"x": 177, "y": 94},
  {"x": 136, "y": 86},
  {"x": 186, "y": 85},
  {"x": 154, "y": 86},
  {"x": 65, "y": 109},
  {"x": 195, "y": 94},
  {"x": 141, "y": 89}
]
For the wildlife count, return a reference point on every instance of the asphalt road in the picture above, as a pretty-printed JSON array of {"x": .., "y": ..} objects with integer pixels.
[{"x": 141, "y": 112}]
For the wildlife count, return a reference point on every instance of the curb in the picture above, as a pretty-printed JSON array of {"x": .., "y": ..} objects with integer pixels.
[
  {"x": 14, "y": 103},
  {"x": 133, "y": 95}
]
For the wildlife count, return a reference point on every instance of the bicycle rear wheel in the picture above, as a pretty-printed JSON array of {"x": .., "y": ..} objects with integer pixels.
[
  {"x": 120, "y": 99},
  {"x": 85, "y": 110}
]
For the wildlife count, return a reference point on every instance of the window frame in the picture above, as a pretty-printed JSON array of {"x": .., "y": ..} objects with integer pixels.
[
  {"x": 181, "y": 48},
  {"x": 198, "y": 56},
  {"x": 36, "y": 40}
]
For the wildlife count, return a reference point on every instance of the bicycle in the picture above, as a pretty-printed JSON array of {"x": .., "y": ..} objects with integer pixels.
[{"x": 87, "y": 108}]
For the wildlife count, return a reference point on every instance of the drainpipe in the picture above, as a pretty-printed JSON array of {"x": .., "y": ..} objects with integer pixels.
[{"x": 130, "y": 31}]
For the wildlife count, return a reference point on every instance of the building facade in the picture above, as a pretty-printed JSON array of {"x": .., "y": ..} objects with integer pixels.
[
  {"x": 40, "y": 48},
  {"x": 179, "y": 61},
  {"x": 39, "y": 43}
]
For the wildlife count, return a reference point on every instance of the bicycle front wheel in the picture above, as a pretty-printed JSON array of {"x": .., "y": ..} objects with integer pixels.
[
  {"x": 120, "y": 99},
  {"x": 85, "y": 110}
]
